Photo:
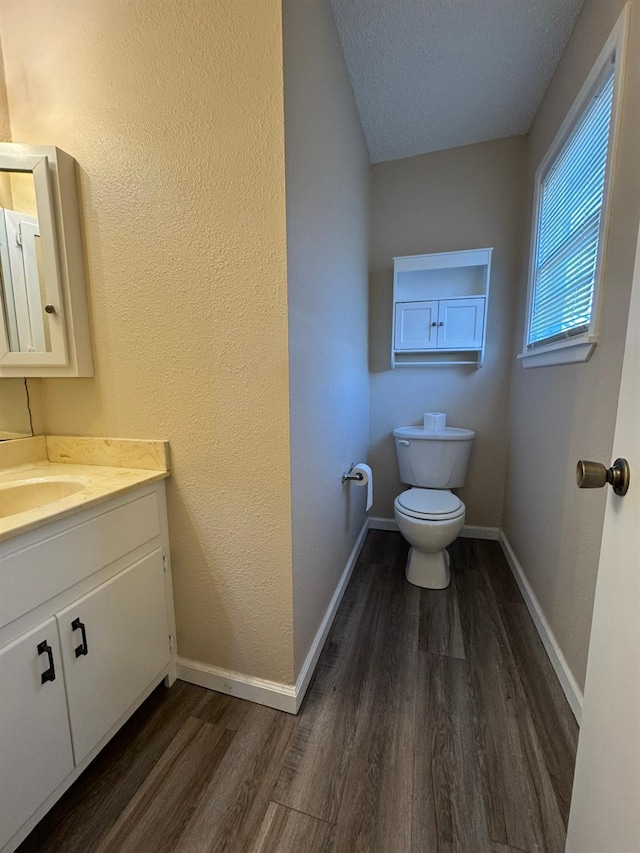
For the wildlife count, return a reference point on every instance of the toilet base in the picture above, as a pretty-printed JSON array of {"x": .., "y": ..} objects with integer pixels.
[{"x": 428, "y": 570}]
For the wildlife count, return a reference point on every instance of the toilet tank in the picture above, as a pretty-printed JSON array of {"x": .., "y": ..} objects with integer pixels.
[{"x": 433, "y": 459}]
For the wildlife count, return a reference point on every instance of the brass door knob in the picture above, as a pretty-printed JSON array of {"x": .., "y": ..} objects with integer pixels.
[{"x": 593, "y": 475}]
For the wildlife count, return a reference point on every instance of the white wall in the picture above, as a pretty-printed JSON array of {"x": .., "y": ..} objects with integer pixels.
[
  {"x": 462, "y": 198},
  {"x": 327, "y": 198},
  {"x": 564, "y": 413}
]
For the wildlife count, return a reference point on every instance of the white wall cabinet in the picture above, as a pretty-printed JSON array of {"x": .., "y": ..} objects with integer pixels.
[
  {"x": 448, "y": 324},
  {"x": 440, "y": 308},
  {"x": 79, "y": 653}
]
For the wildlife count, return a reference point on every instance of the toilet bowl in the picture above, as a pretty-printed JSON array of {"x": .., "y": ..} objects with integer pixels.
[
  {"x": 430, "y": 516},
  {"x": 429, "y": 519}
]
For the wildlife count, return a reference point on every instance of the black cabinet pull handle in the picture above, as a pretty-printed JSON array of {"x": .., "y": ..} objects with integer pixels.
[
  {"x": 77, "y": 625},
  {"x": 48, "y": 674}
]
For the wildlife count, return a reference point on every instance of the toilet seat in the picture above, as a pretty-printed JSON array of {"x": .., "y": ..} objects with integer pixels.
[{"x": 430, "y": 504}]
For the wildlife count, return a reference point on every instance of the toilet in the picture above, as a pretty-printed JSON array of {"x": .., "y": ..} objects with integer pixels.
[{"x": 429, "y": 515}]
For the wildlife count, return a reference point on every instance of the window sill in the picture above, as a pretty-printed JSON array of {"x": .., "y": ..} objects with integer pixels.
[{"x": 562, "y": 352}]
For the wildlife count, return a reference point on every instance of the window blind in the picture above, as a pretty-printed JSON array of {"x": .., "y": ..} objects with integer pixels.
[{"x": 569, "y": 211}]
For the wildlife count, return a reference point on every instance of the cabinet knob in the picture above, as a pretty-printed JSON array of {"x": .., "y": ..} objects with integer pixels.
[
  {"x": 441, "y": 324},
  {"x": 434, "y": 324},
  {"x": 50, "y": 309}
]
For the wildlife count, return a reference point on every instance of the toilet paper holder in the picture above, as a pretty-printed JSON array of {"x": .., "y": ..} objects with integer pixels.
[{"x": 349, "y": 476}]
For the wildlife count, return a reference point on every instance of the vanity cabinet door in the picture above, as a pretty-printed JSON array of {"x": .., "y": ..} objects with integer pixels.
[
  {"x": 35, "y": 744},
  {"x": 115, "y": 643}
]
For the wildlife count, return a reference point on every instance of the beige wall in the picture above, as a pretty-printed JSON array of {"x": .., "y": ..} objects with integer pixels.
[
  {"x": 327, "y": 172},
  {"x": 174, "y": 112},
  {"x": 564, "y": 413},
  {"x": 462, "y": 198}
]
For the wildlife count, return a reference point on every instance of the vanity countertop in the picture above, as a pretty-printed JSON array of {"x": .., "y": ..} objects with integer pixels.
[{"x": 97, "y": 482}]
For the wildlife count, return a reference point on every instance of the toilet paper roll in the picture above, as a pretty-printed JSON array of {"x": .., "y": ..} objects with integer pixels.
[
  {"x": 367, "y": 480},
  {"x": 434, "y": 420}
]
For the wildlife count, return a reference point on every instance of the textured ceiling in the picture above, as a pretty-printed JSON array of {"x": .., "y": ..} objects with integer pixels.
[{"x": 433, "y": 74}]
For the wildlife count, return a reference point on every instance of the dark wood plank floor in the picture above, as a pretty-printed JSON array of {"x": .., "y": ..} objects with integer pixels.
[{"x": 434, "y": 724}]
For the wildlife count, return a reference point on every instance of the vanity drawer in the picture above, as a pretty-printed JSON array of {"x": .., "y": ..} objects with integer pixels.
[{"x": 46, "y": 565}]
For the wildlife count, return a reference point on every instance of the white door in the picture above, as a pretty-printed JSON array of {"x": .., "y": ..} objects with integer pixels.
[
  {"x": 605, "y": 807},
  {"x": 35, "y": 745},
  {"x": 415, "y": 326},
  {"x": 115, "y": 643},
  {"x": 461, "y": 323}
]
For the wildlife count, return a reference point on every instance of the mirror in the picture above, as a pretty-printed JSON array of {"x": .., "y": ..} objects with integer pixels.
[
  {"x": 21, "y": 273},
  {"x": 29, "y": 280},
  {"x": 15, "y": 421}
]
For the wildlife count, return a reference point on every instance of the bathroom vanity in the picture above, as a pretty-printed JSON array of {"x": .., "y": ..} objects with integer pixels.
[{"x": 86, "y": 617}]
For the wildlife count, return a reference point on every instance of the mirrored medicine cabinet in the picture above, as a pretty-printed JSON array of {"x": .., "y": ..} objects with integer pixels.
[{"x": 44, "y": 328}]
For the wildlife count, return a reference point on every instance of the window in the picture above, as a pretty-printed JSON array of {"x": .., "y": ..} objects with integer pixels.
[
  {"x": 569, "y": 214},
  {"x": 570, "y": 222}
]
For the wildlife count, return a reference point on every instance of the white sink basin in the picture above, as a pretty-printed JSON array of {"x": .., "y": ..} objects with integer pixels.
[{"x": 22, "y": 495}]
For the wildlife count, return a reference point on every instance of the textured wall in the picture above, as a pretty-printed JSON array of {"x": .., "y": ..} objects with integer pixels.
[
  {"x": 327, "y": 178},
  {"x": 564, "y": 413},
  {"x": 463, "y": 198},
  {"x": 174, "y": 113}
]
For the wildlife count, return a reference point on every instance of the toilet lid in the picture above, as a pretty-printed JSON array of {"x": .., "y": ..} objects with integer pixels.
[{"x": 435, "y": 504}]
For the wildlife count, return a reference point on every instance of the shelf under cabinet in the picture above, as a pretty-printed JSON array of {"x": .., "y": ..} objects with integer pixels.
[{"x": 438, "y": 358}]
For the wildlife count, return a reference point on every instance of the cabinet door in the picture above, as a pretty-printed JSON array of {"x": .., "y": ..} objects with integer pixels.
[
  {"x": 115, "y": 642},
  {"x": 415, "y": 325},
  {"x": 35, "y": 745},
  {"x": 461, "y": 323}
]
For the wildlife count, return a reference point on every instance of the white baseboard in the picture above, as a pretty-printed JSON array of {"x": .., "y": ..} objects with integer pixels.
[
  {"x": 558, "y": 661},
  {"x": 309, "y": 665},
  {"x": 382, "y": 523},
  {"x": 283, "y": 697},
  {"x": 469, "y": 531},
  {"x": 271, "y": 693}
]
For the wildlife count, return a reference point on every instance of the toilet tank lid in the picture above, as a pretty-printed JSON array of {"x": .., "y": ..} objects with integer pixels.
[{"x": 446, "y": 434}]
